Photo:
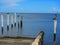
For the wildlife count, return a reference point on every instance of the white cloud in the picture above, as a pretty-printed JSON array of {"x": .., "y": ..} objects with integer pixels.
[
  {"x": 55, "y": 9},
  {"x": 10, "y": 5}
]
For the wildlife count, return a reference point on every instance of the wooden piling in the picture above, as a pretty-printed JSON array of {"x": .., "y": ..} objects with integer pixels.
[
  {"x": 55, "y": 23},
  {"x": 7, "y": 22},
  {"x": 2, "y": 23},
  {"x": 21, "y": 23},
  {"x": 55, "y": 26},
  {"x": 12, "y": 21},
  {"x": 15, "y": 20},
  {"x": 18, "y": 22}
]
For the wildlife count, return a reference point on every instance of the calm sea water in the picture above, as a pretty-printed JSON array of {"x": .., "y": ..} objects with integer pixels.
[{"x": 33, "y": 23}]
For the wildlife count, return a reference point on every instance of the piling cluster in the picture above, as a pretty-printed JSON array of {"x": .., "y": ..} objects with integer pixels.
[{"x": 13, "y": 22}]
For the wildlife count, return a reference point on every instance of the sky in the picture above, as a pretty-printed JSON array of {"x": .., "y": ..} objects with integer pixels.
[{"x": 30, "y": 6}]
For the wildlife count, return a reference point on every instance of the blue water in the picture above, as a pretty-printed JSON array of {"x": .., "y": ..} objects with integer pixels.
[{"x": 33, "y": 23}]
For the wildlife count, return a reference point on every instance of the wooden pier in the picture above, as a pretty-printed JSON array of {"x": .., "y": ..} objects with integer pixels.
[
  {"x": 22, "y": 40},
  {"x": 39, "y": 39}
]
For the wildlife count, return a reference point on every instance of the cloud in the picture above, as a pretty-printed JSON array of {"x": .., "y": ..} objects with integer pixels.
[
  {"x": 56, "y": 10},
  {"x": 10, "y": 3}
]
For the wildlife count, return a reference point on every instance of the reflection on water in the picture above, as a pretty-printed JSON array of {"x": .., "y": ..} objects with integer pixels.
[{"x": 32, "y": 25}]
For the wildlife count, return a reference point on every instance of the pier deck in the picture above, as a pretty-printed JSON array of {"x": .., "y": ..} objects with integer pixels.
[
  {"x": 16, "y": 41},
  {"x": 22, "y": 40}
]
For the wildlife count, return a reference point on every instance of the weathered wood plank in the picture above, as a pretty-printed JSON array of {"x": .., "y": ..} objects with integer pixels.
[{"x": 39, "y": 39}]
